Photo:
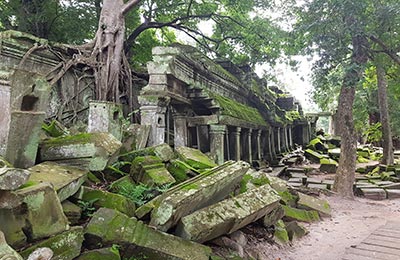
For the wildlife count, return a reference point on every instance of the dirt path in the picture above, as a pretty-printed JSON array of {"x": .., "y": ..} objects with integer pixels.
[{"x": 351, "y": 222}]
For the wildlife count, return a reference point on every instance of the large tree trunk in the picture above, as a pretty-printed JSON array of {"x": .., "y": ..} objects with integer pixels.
[
  {"x": 345, "y": 174},
  {"x": 387, "y": 143},
  {"x": 108, "y": 48}
]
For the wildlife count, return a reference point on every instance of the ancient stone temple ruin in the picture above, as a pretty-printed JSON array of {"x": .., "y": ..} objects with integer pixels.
[{"x": 218, "y": 108}]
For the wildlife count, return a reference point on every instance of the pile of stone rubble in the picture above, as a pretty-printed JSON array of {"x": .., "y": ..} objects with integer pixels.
[{"x": 90, "y": 198}]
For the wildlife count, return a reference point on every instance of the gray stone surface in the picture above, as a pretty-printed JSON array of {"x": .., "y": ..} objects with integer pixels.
[
  {"x": 228, "y": 215},
  {"x": 6, "y": 251},
  {"x": 147, "y": 242},
  {"x": 65, "y": 246},
  {"x": 105, "y": 117},
  {"x": 198, "y": 193},
  {"x": 12, "y": 178},
  {"x": 66, "y": 180},
  {"x": 93, "y": 151},
  {"x": 313, "y": 203},
  {"x": 35, "y": 213}
]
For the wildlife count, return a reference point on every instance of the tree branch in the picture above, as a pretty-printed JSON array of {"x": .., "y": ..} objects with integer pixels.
[
  {"x": 386, "y": 49},
  {"x": 129, "y": 5}
]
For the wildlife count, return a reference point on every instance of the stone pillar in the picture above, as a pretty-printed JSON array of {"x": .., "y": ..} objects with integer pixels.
[
  {"x": 180, "y": 131},
  {"x": 249, "y": 136},
  {"x": 270, "y": 144},
  {"x": 259, "y": 152},
  {"x": 105, "y": 117},
  {"x": 155, "y": 117},
  {"x": 286, "y": 139},
  {"x": 291, "y": 138},
  {"x": 217, "y": 138},
  {"x": 279, "y": 139},
  {"x": 237, "y": 143},
  {"x": 273, "y": 144}
]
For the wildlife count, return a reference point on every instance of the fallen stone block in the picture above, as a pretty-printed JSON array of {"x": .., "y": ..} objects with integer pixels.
[
  {"x": 93, "y": 151},
  {"x": 328, "y": 165},
  {"x": 12, "y": 178},
  {"x": 151, "y": 171},
  {"x": 393, "y": 194},
  {"x": 317, "y": 186},
  {"x": 34, "y": 213},
  {"x": 105, "y": 199},
  {"x": 72, "y": 212},
  {"x": 6, "y": 251},
  {"x": 66, "y": 180},
  {"x": 181, "y": 171},
  {"x": 295, "y": 230},
  {"x": 311, "y": 203},
  {"x": 228, "y": 215},
  {"x": 108, "y": 253},
  {"x": 196, "y": 194},
  {"x": 162, "y": 151},
  {"x": 374, "y": 194},
  {"x": 314, "y": 156},
  {"x": 280, "y": 233},
  {"x": 300, "y": 214},
  {"x": 195, "y": 158},
  {"x": 273, "y": 217},
  {"x": 229, "y": 243},
  {"x": 392, "y": 186},
  {"x": 109, "y": 227},
  {"x": 121, "y": 184},
  {"x": 65, "y": 246}
]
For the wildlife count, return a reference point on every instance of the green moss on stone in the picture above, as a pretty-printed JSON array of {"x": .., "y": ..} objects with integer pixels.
[
  {"x": 280, "y": 232},
  {"x": 81, "y": 138},
  {"x": 300, "y": 215},
  {"x": 235, "y": 109}
]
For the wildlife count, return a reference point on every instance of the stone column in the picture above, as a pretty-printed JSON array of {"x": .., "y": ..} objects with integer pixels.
[
  {"x": 291, "y": 138},
  {"x": 273, "y": 144},
  {"x": 286, "y": 139},
  {"x": 217, "y": 138},
  {"x": 259, "y": 153},
  {"x": 237, "y": 143},
  {"x": 270, "y": 142},
  {"x": 155, "y": 117},
  {"x": 180, "y": 131},
  {"x": 279, "y": 139},
  {"x": 249, "y": 136}
]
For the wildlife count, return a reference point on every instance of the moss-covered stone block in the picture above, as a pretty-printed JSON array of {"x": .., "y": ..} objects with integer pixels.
[
  {"x": 121, "y": 184},
  {"x": 314, "y": 156},
  {"x": 150, "y": 170},
  {"x": 295, "y": 230},
  {"x": 181, "y": 171},
  {"x": 197, "y": 193},
  {"x": 162, "y": 151},
  {"x": 12, "y": 178},
  {"x": 228, "y": 215},
  {"x": 108, "y": 253},
  {"x": 101, "y": 198},
  {"x": 146, "y": 241},
  {"x": 300, "y": 214},
  {"x": 280, "y": 233},
  {"x": 313, "y": 203},
  {"x": 317, "y": 145},
  {"x": 328, "y": 165},
  {"x": 33, "y": 212},
  {"x": 195, "y": 158},
  {"x": 65, "y": 246},
  {"x": 66, "y": 180},
  {"x": 93, "y": 151}
]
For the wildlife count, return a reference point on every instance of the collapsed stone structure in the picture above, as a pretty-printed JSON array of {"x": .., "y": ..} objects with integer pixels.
[{"x": 218, "y": 108}]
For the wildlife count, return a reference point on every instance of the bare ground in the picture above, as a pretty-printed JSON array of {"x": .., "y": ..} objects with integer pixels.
[{"x": 351, "y": 222}]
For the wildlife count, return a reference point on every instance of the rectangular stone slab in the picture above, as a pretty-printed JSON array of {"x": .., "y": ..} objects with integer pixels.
[
  {"x": 66, "y": 180},
  {"x": 109, "y": 227},
  {"x": 318, "y": 204},
  {"x": 196, "y": 195},
  {"x": 93, "y": 151},
  {"x": 228, "y": 215}
]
